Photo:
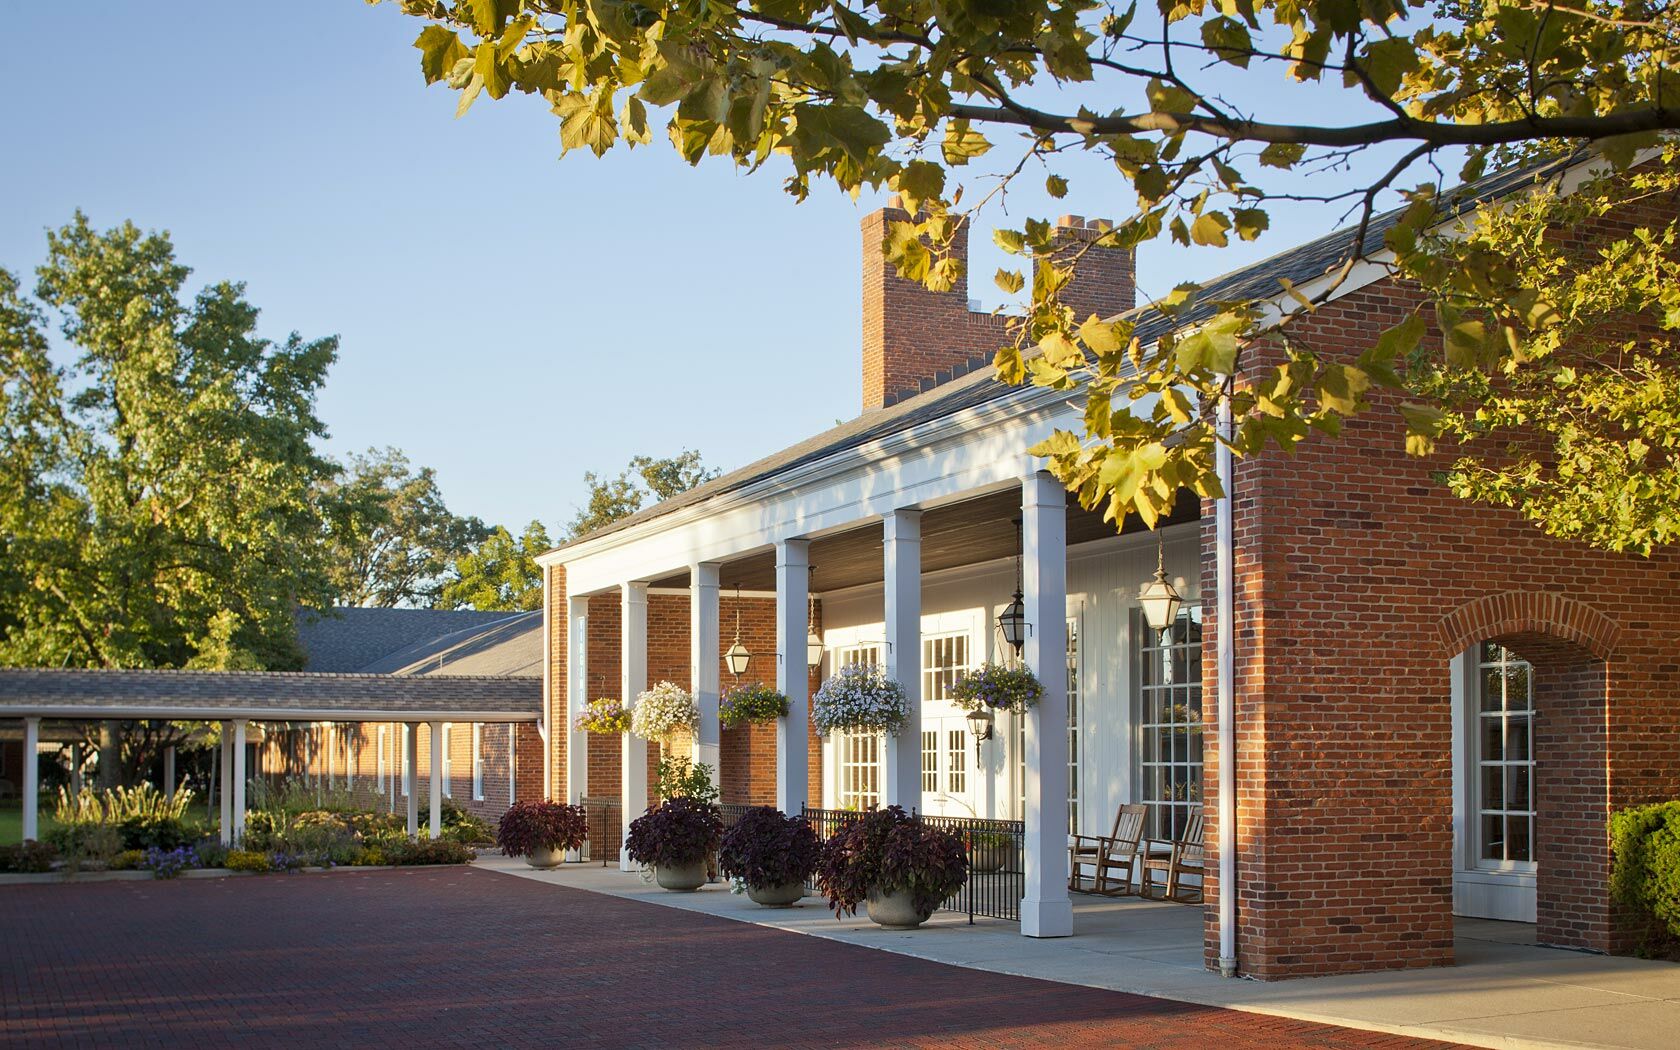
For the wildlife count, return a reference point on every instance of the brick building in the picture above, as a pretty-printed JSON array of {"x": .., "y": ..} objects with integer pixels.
[{"x": 1428, "y": 711}]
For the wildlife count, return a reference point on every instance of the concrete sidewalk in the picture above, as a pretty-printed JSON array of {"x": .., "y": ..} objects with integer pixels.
[{"x": 1503, "y": 992}]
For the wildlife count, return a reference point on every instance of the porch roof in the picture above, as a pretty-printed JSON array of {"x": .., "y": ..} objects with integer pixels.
[{"x": 266, "y": 696}]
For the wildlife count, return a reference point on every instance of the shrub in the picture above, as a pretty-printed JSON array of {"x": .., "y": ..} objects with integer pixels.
[
  {"x": 604, "y": 716},
  {"x": 429, "y": 851},
  {"x": 210, "y": 853},
  {"x": 663, "y": 710},
  {"x": 370, "y": 857},
  {"x": 86, "y": 845},
  {"x": 766, "y": 849},
  {"x": 858, "y": 698},
  {"x": 128, "y": 860},
  {"x": 997, "y": 687},
  {"x": 297, "y": 795},
  {"x": 1645, "y": 869},
  {"x": 890, "y": 851},
  {"x": 681, "y": 831},
  {"x": 28, "y": 857},
  {"x": 246, "y": 860},
  {"x": 527, "y": 827},
  {"x": 745, "y": 704},
  {"x": 457, "y": 823},
  {"x": 168, "y": 863},
  {"x": 139, "y": 834},
  {"x": 676, "y": 777}
]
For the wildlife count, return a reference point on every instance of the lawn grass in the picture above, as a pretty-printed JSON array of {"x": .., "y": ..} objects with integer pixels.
[{"x": 11, "y": 821}]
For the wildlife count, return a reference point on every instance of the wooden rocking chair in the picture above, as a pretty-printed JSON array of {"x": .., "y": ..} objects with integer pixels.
[
  {"x": 1116, "y": 852},
  {"x": 1175, "y": 859}
]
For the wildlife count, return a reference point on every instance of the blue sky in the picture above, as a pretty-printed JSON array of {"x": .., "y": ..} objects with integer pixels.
[{"x": 506, "y": 317}]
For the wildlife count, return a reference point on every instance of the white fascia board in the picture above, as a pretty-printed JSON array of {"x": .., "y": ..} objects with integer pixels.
[{"x": 260, "y": 714}]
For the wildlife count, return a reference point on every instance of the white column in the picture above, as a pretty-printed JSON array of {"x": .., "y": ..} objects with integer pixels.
[
  {"x": 168, "y": 768},
  {"x": 238, "y": 780},
  {"x": 703, "y": 663},
  {"x": 226, "y": 784},
  {"x": 633, "y": 793},
  {"x": 577, "y": 696},
  {"x": 901, "y": 545},
  {"x": 1046, "y": 909},
  {"x": 31, "y": 778},
  {"x": 434, "y": 779},
  {"x": 411, "y": 756},
  {"x": 793, "y": 583},
  {"x": 546, "y": 730}
]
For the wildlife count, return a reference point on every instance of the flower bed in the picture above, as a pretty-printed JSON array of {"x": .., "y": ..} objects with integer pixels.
[
  {"x": 663, "y": 710},
  {"x": 747, "y": 704},
  {"x": 859, "y": 699}
]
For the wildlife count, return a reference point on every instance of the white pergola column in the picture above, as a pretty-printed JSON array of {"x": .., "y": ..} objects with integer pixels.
[
  {"x": 226, "y": 783},
  {"x": 411, "y": 760},
  {"x": 633, "y": 793},
  {"x": 31, "y": 778},
  {"x": 238, "y": 779},
  {"x": 703, "y": 664},
  {"x": 1046, "y": 909},
  {"x": 577, "y": 697},
  {"x": 168, "y": 769},
  {"x": 901, "y": 547},
  {"x": 434, "y": 780},
  {"x": 793, "y": 586}
]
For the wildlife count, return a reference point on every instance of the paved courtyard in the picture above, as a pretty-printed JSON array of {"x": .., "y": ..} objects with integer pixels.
[{"x": 461, "y": 957}]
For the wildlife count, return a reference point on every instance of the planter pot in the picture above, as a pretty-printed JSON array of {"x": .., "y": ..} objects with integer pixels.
[
  {"x": 984, "y": 858},
  {"x": 896, "y": 910},
  {"x": 544, "y": 858},
  {"x": 777, "y": 896},
  {"x": 682, "y": 877}
]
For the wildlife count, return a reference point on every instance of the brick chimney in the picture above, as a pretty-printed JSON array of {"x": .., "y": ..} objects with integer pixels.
[{"x": 914, "y": 339}]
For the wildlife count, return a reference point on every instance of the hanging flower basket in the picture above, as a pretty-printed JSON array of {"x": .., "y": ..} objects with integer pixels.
[
  {"x": 746, "y": 704},
  {"x": 604, "y": 716},
  {"x": 859, "y": 699},
  {"x": 997, "y": 687},
  {"x": 663, "y": 710}
]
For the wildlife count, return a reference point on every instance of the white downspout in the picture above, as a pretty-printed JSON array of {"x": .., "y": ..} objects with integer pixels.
[{"x": 1225, "y": 569}]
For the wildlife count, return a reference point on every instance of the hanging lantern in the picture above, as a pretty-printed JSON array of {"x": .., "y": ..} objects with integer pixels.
[
  {"x": 737, "y": 657},
  {"x": 1159, "y": 600},
  {"x": 1012, "y": 621},
  {"x": 813, "y": 641}
]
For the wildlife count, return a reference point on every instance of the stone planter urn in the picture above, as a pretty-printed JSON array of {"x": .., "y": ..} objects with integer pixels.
[
  {"x": 781, "y": 896},
  {"x": 682, "y": 877},
  {"x": 544, "y": 858},
  {"x": 986, "y": 856},
  {"x": 896, "y": 910}
]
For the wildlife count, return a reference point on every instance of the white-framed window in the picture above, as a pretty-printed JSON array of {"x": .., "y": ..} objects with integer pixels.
[
  {"x": 478, "y": 761},
  {"x": 1170, "y": 720},
  {"x": 858, "y": 755},
  {"x": 448, "y": 780},
  {"x": 1073, "y": 735},
  {"x": 381, "y": 767},
  {"x": 1503, "y": 756},
  {"x": 956, "y": 761},
  {"x": 407, "y": 773},
  {"x": 944, "y": 659},
  {"x": 930, "y": 760}
]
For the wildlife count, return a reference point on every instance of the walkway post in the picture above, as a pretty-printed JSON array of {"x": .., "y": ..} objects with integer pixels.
[
  {"x": 238, "y": 780},
  {"x": 226, "y": 756},
  {"x": 633, "y": 681},
  {"x": 411, "y": 759},
  {"x": 31, "y": 778},
  {"x": 434, "y": 780},
  {"x": 901, "y": 545},
  {"x": 1046, "y": 910},
  {"x": 793, "y": 676},
  {"x": 703, "y": 664}
]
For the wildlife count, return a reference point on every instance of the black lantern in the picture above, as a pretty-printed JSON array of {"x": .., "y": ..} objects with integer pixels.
[
  {"x": 1012, "y": 621},
  {"x": 980, "y": 724},
  {"x": 737, "y": 657},
  {"x": 1159, "y": 600},
  {"x": 813, "y": 641}
]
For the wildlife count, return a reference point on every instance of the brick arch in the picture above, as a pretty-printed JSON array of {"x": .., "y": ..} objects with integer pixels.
[{"x": 1538, "y": 618}]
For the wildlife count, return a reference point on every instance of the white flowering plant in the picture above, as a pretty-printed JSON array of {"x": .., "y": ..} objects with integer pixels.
[
  {"x": 859, "y": 698},
  {"x": 663, "y": 710}
]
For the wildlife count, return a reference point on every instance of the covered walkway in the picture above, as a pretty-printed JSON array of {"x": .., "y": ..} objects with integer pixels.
[{"x": 235, "y": 699}]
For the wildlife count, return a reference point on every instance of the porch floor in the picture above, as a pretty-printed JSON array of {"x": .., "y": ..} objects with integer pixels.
[{"x": 1504, "y": 992}]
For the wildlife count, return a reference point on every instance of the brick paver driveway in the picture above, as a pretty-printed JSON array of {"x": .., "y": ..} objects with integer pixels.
[{"x": 443, "y": 957}]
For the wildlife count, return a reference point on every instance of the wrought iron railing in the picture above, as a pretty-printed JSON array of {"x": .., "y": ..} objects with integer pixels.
[
  {"x": 731, "y": 812},
  {"x": 606, "y": 828}
]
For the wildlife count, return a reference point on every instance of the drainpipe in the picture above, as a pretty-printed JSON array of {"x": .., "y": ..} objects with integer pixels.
[{"x": 1224, "y": 564}]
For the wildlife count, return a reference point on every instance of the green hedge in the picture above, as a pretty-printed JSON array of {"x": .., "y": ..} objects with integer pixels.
[{"x": 1645, "y": 872}]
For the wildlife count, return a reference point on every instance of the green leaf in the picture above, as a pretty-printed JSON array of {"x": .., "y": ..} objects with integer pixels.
[
  {"x": 919, "y": 180},
  {"x": 1056, "y": 186},
  {"x": 1386, "y": 62},
  {"x": 962, "y": 143},
  {"x": 1282, "y": 154},
  {"x": 1104, "y": 337},
  {"x": 1250, "y": 222},
  {"x": 1012, "y": 241},
  {"x": 1010, "y": 281},
  {"x": 583, "y": 124},
  {"x": 440, "y": 49},
  {"x": 1210, "y": 228}
]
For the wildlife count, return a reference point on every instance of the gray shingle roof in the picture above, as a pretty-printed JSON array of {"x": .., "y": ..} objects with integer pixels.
[
  {"x": 349, "y": 638},
  {"x": 266, "y": 695},
  {"x": 1300, "y": 264},
  {"x": 510, "y": 645}
]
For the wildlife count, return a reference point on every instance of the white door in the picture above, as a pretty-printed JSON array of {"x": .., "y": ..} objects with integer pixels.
[
  {"x": 1494, "y": 765},
  {"x": 948, "y": 765}
]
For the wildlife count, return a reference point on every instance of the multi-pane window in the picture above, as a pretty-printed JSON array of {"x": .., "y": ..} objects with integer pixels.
[
  {"x": 1170, "y": 720},
  {"x": 478, "y": 760},
  {"x": 944, "y": 659},
  {"x": 956, "y": 761},
  {"x": 930, "y": 760},
  {"x": 1073, "y": 723},
  {"x": 859, "y": 762},
  {"x": 1505, "y": 757}
]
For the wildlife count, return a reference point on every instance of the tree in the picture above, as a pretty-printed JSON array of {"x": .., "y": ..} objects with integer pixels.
[
  {"x": 501, "y": 573},
  {"x": 613, "y": 498},
  {"x": 1211, "y": 115},
  {"x": 153, "y": 491},
  {"x": 391, "y": 536}
]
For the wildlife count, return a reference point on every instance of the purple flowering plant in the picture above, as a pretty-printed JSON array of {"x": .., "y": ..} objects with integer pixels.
[{"x": 997, "y": 687}]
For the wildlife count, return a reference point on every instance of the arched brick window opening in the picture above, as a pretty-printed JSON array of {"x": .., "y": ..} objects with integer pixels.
[{"x": 1567, "y": 645}]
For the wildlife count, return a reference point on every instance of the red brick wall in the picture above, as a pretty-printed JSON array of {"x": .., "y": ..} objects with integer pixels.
[{"x": 1352, "y": 567}]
